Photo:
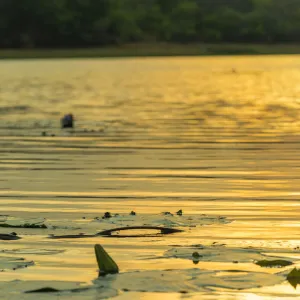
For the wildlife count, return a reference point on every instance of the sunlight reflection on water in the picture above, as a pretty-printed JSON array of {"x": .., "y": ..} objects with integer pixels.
[{"x": 154, "y": 135}]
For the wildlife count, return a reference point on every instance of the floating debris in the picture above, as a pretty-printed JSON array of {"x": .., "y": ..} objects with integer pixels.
[
  {"x": 179, "y": 213},
  {"x": 132, "y": 213},
  {"x": 67, "y": 121}
]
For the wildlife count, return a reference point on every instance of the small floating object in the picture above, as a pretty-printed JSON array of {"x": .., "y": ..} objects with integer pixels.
[
  {"x": 133, "y": 213},
  {"x": 162, "y": 230},
  {"x": 105, "y": 263},
  {"x": 107, "y": 215},
  {"x": 196, "y": 257},
  {"x": 179, "y": 213},
  {"x": 67, "y": 121}
]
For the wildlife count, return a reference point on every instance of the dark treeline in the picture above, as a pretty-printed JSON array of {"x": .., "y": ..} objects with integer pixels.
[{"x": 82, "y": 23}]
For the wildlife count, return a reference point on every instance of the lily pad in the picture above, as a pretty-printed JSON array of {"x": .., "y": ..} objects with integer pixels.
[
  {"x": 215, "y": 253},
  {"x": 11, "y": 222},
  {"x": 221, "y": 253},
  {"x": 277, "y": 263},
  {"x": 164, "y": 219},
  {"x": 192, "y": 280},
  {"x": 58, "y": 289}
]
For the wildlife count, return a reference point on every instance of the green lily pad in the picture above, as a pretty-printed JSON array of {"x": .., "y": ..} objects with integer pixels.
[{"x": 278, "y": 263}]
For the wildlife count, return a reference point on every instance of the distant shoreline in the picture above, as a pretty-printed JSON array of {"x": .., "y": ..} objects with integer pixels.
[{"x": 153, "y": 50}]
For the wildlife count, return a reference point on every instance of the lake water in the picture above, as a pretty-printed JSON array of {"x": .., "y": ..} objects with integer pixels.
[{"x": 209, "y": 135}]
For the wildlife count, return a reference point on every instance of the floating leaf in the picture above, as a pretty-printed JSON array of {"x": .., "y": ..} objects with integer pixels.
[{"x": 274, "y": 263}]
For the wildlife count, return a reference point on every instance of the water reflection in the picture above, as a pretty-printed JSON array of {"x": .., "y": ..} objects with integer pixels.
[{"x": 152, "y": 135}]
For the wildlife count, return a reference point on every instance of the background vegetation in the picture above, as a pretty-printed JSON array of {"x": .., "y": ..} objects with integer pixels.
[{"x": 91, "y": 23}]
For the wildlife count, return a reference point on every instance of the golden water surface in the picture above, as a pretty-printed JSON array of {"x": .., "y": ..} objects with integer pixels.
[{"x": 209, "y": 135}]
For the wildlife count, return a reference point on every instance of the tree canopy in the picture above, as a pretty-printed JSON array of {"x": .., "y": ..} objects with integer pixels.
[{"x": 86, "y": 23}]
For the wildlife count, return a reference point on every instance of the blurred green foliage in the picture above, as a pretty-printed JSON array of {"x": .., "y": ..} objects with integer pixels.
[{"x": 84, "y": 23}]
